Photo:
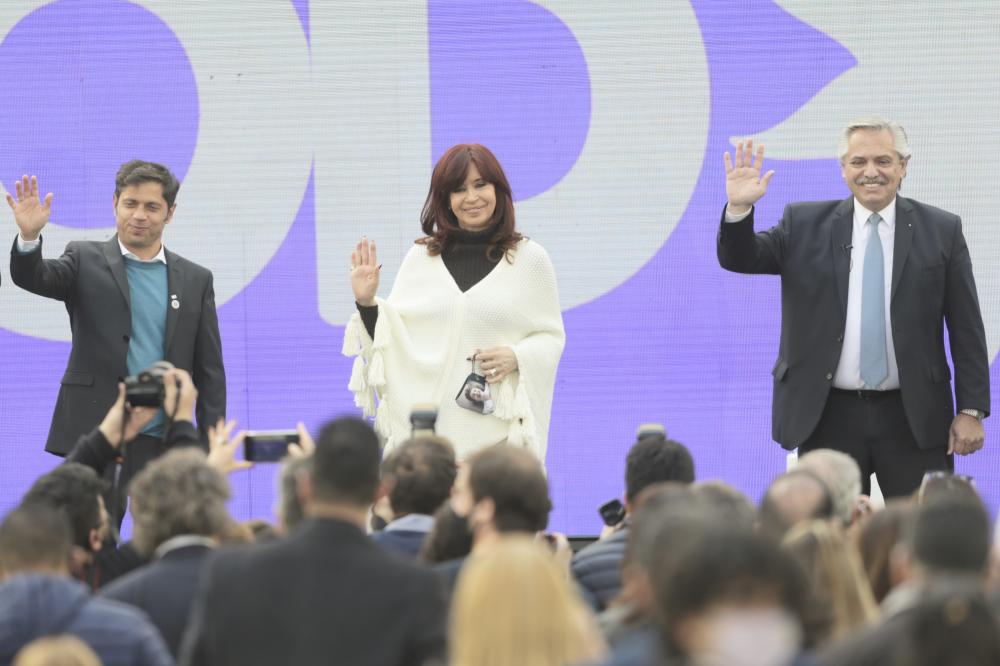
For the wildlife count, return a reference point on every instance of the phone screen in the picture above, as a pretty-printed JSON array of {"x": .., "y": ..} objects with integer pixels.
[{"x": 268, "y": 446}]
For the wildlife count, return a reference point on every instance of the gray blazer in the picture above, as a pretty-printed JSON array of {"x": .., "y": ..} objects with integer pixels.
[
  {"x": 90, "y": 279},
  {"x": 932, "y": 284}
]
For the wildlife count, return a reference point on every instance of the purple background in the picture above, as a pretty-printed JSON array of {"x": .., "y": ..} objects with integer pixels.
[{"x": 681, "y": 342}]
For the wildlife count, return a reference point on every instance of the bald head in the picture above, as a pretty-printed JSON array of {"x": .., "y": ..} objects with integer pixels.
[
  {"x": 792, "y": 498},
  {"x": 842, "y": 476}
]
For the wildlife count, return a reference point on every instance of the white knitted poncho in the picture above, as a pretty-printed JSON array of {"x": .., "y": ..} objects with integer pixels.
[{"x": 426, "y": 330}]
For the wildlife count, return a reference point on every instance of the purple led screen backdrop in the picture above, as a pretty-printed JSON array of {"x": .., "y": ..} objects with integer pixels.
[{"x": 298, "y": 126}]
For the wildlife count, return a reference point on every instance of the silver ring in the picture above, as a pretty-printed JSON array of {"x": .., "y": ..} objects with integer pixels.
[{"x": 493, "y": 371}]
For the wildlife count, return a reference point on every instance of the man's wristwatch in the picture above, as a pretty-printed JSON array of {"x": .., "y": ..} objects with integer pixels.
[{"x": 974, "y": 413}]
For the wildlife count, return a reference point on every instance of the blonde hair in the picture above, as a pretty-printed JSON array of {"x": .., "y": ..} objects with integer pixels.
[
  {"x": 513, "y": 606},
  {"x": 56, "y": 651},
  {"x": 836, "y": 574}
]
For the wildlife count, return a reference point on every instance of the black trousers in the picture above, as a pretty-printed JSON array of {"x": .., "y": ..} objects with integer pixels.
[
  {"x": 871, "y": 427},
  {"x": 138, "y": 453}
]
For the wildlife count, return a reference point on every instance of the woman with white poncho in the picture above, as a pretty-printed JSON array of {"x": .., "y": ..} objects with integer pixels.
[{"x": 473, "y": 287}]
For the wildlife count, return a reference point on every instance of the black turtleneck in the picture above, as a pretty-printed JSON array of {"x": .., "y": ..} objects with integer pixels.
[{"x": 465, "y": 260}]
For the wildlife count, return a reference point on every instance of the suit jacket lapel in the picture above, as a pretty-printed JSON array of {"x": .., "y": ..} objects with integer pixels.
[
  {"x": 902, "y": 243},
  {"x": 113, "y": 254},
  {"x": 175, "y": 289},
  {"x": 841, "y": 233}
]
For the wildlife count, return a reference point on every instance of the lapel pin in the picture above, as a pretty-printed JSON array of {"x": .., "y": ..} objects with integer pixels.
[{"x": 174, "y": 303}]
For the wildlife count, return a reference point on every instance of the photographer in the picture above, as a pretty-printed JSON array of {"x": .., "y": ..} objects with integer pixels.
[
  {"x": 652, "y": 459},
  {"x": 99, "y": 448}
]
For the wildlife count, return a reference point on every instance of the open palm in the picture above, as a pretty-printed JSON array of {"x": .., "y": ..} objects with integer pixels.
[
  {"x": 365, "y": 272},
  {"x": 744, "y": 184},
  {"x": 30, "y": 212}
]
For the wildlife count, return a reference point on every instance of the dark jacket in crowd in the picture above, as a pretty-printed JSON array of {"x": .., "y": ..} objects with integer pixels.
[
  {"x": 402, "y": 542},
  {"x": 598, "y": 568},
  {"x": 326, "y": 594},
  {"x": 165, "y": 590},
  {"x": 94, "y": 450},
  {"x": 33, "y": 606}
]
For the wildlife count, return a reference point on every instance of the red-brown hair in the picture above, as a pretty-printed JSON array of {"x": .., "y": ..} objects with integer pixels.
[{"x": 439, "y": 222}]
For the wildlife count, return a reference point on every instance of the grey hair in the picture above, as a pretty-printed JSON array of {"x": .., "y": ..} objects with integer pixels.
[
  {"x": 290, "y": 510},
  {"x": 842, "y": 476},
  {"x": 179, "y": 493},
  {"x": 875, "y": 124}
]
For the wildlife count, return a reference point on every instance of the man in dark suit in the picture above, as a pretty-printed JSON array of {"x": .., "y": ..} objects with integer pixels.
[
  {"x": 326, "y": 594},
  {"x": 131, "y": 302},
  {"x": 867, "y": 285}
]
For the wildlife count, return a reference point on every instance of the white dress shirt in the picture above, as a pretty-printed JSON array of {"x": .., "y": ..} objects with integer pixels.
[{"x": 848, "y": 375}]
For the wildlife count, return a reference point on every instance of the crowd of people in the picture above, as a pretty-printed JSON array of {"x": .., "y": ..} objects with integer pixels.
[{"x": 415, "y": 558}]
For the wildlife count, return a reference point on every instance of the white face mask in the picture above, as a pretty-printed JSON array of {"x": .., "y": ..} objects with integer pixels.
[{"x": 750, "y": 637}]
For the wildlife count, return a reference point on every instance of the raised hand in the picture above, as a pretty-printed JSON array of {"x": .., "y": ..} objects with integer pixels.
[
  {"x": 306, "y": 445},
  {"x": 744, "y": 184},
  {"x": 365, "y": 272},
  {"x": 177, "y": 381},
  {"x": 30, "y": 213},
  {"x": 135, "y": 419},
  {"x": 222, "y": 447}
]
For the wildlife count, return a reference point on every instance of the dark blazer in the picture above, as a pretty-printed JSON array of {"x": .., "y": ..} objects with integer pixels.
[
  {"x": 932, "y": 284},
  {"x": 90, "y": 279},
  {"x": 165, "y": 589},
  {"x": 326, "y": 594}
]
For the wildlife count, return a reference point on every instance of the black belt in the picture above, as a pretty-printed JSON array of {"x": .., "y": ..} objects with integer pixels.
[{"x": 865, "y": 394}]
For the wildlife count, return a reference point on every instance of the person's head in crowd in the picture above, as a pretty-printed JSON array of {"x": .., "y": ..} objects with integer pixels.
[
  {"x": 733, "y": 597},
  {"x": 449, "y": 539},
  {"x": 879, "y": 537},
  {"x": 344, "y": 479},
  {"x": 835, "y": 572},
  {"x": 946, "y": 486},
  {"x": 178, "y": 494},
  {"x": 792, "y": 498},
  {"x": 75, "y": 490},
  {"x": 948, "y": 538},
  {"x": 35, "y": 538},
  {"x": 418, "y": 475},
  {"x": 953, "y": 626},
  {"x": 64, "y": 650},
  {"x": 728, "y": 500},
  {"x": 502, "y": 489},
  {"x": 665, "y": 516},
  {"x": 842, "y": 476},
  {"x": 235, "y": 533},
  {"x": 514, "y": 606},
  {"x": 655, "y": 459},
  {"x": 290, "y": 511},
  {"x": 262, "y": 530}
]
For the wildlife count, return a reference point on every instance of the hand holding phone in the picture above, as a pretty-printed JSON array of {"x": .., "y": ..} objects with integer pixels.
[{"x": 268, "y": 446}]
